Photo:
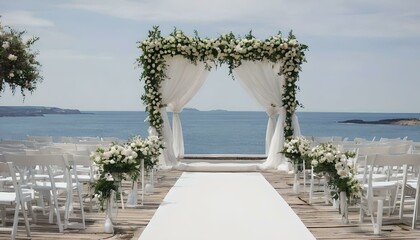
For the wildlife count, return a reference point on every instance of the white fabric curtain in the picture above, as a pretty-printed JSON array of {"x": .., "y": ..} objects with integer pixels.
[
  {"x": 296, "y": 126},
  {"x": 184, "y": 81},
  {"x": 262, "y": 81}
]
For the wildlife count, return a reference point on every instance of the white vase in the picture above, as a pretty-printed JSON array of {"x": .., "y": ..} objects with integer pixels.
[
  {"x": 148, "y": 188},
  {"x": 296, "y": 185},
  {"x": 133, "y": 195},
  {"x": 108, "y": 226},
  {"x": 344, "y": 211},
  {"x": 336, "y": 204},
  {"x": 112, "y": 208}
]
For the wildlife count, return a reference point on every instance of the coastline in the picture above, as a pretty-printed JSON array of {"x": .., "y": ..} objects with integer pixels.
[
  {"x": 394, "y": 121},
  {"x": 32, "y": 111}
]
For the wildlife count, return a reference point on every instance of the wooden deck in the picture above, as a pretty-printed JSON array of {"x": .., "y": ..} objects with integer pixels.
[{"x": 321, "y": 219}]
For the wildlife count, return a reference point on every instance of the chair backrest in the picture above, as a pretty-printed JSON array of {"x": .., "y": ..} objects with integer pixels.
[
  {"x": 362, "y": 140},
  {"x": 336, "y": 138},
  {"x": 86, "y": 139},
  {"x": 373, "y": 150},
  {"x": 81, "y": 161},
  {"x": 7, "y": 170},
  {"x": 322, "y": 139},
  {"x": 40, "y": 139},
  {"x": 66, "y": 140},
  {"x": 12, "y": 149},
  {"x": 110, "y": 139},
  {"x": 4, "y": 170},
  {"x": 68, "y": 146},
  {"x": 25, "y": 143},
  {"x": 26, "y": 165},
  {"x": 400, "y": 147}
]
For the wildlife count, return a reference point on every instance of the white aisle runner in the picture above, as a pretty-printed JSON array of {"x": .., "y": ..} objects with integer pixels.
[{"x": 219, "y": 206}]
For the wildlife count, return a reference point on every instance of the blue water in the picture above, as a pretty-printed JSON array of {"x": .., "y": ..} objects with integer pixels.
[{"x": 206, "y": 131}]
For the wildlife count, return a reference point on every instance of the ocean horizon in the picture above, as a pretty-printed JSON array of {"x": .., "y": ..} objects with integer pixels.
[{"x": 206, "y": 132}]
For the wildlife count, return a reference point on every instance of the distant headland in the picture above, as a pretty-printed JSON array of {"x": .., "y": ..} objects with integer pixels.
[
  {"x": 394, "y": 121},
  {"x": 31, "y": 111}
]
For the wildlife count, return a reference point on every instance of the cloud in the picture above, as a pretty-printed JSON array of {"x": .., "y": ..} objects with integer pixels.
[
  {"x": 343, "y": 18},
  {"x": 25, "y": 18},
  {"x": 168, "y": 10},
  {"x": 63, "y": 54}
]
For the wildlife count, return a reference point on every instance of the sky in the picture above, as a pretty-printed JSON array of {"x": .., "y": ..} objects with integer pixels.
[{"x": 364, "y": 56}]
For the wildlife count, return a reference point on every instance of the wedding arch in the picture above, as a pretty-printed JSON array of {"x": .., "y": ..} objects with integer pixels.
[{"x": 176, "y": 66}]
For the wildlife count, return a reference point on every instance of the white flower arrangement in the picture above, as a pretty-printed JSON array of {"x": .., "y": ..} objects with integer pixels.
[
  {"x": 226, "y": 49},
  {"x": 18, "y": 65},
  {"x": 123, "y": 162},
  {"x": 338, "y": 167},
  {"x": 296, "y": 149},
  {"x": 147, "y": 149},
  {"x": 116, "y": 158}
]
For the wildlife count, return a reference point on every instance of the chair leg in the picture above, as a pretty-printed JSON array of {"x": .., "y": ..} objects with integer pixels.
[
  {"x": 311, "y": 189},
  {"x": 304, "y": 176},
  {"x": 377, "y": 227},
  {"x": 25, "y": 217},
  {"x": 31, "y": 211},
  {"x": 79, "y": 193},
  {"x": 415, "y": 213},
  {"x": 15, "y": 222},
  {"x": 326, "y": 193},
  {"x": 361, "y": 214},
  {"x": 57, "y": 213},
  {"x": 51, "y": 212},
  {"x": 3, "y": 215}
]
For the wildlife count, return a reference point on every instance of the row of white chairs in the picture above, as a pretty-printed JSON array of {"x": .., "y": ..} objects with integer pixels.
[
  {"x": 387, "y": 193},
  {"x": 35, "y": 142},
  {"x": 382, "y": 183},
  {"x": 46, "y": 177}
]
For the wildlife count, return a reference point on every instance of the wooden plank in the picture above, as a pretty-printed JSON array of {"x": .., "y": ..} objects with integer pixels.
[{"x": 320, "y": 218}]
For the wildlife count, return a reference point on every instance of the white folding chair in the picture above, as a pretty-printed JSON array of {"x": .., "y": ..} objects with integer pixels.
[
  {"x": 51, "y": 187},
  {"x": 409, "y": 183},
  {"x": 83, "y": 172},
  {"x": 378, "y": 193},
  {"x": 13, "y": 196}
]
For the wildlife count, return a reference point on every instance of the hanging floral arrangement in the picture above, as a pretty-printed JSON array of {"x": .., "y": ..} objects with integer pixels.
[{"x": 18, "y": 65}]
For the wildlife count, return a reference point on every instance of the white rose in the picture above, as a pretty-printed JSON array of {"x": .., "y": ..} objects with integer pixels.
[
  {"x": 293, "y": 42},
  {"x": 11, "y": 75},
  {"x": 342, "y": 172},
  {"x": 107, "y": 155},
  {"x": 109, "y": 177},
  {"x": 12, "y": 57},
  {"x": 5, "y": 45},
  {"x": 329, "y": 157}
]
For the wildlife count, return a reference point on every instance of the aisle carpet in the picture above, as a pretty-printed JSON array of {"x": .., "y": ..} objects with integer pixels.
[{"x": 224, "y": 206}]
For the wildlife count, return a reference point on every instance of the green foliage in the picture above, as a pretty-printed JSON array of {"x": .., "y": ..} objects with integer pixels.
[
  {"x": 226, "y": 49},
  {"x": 18, "y": 65},
  {"x": 338, "y": 169},
  {"x": 103, "y": 189}
]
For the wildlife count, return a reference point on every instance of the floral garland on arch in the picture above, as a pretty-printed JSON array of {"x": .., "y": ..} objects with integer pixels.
[{"x": 226, "y": 49}]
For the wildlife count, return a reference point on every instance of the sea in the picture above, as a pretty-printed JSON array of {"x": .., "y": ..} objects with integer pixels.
[{"x": 206, "y": 132}]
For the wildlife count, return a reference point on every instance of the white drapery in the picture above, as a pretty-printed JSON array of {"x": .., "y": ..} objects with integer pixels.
[
  {"x": 184, "y": 81},
  {"x": 261, "y": 80}
]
